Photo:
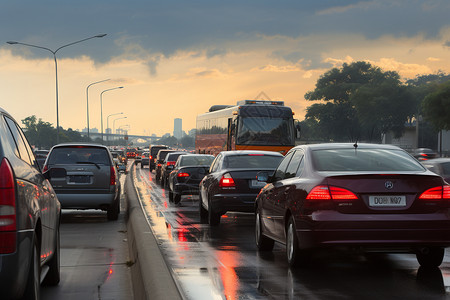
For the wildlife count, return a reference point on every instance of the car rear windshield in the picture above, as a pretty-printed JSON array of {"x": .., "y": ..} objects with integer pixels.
[
  {"x": 388, "y": 160},
  {"x": 252, "y": 161},
  {"x": 78, "y": 155},
  {"x": 193, "y": 160}
]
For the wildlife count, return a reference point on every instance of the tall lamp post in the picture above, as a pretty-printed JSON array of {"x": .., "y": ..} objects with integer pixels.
[
  {"x": 107, "y": 123},
  {"x": 114, "y": 122},
  {"x": 101, "y": 106},
  {"x": 56, "y": 69},
  {"x": 87, "y": 102}
]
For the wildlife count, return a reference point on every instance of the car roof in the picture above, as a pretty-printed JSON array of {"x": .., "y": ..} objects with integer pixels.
[
  {"x": 245, "y": 152},
  {"x": 326, "y": 146},
  {"x": 81, "y": 145}
]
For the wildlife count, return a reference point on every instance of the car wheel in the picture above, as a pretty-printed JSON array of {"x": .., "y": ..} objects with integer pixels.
[
  {"x": 113, "y": 211},
  {"x": 213, "y": 218},
  {"x": 176, "y": 198},
  {"x": 295, "y": 256},
  {"x": 431, "y": 257},
  {"x": 54, "y": 274},
  {"x": 263, "y": 243},
  {"x": 203, "y": 212},
  {"x": 33, "y": 287},
  {"x": 142, "y": 166}
]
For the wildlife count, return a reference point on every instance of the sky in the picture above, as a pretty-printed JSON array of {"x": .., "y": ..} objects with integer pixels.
[{"x": 177, "y": 58}]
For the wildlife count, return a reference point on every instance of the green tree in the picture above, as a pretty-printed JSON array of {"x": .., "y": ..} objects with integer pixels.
[
  {"x": 436, "y": 107},
  {"x": 344, "y": 114}
]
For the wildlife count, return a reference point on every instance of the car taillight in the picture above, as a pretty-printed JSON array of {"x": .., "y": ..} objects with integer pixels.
[
  {"x": 170, "y": 163},
  {"x": 436, "y": 193},
  {"x": 7, "y": 208},
  {"x": 45, "y": 169},
  {"x": 159, "y": 165},
  {"x": 323, "y": 192},
  {"x": 112, "y": 176},
  {"x": 226, "y": 181},
  {"x": 183, "y": 175},
  {"x": 150, "y": 157}
]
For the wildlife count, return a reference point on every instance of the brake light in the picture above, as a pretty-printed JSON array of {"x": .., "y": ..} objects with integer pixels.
[
  {"x": 112, "y": 176},
  {"x": 7, "y": 208},
  {"x": 226, "y": 181},
  {"x": 320, "y": 192},
  {"x": 45, "y": 169},
  {"x": 323, "y": 192},
  {"x": 150, "y": 157},
  {"x": 436, "y": 193},
  {"x": 171, "y": 163},
  {"x": 183, "y": 174}
]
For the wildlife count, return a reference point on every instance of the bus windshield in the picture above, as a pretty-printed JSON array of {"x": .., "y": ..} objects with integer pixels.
[{"x": 265, "y": 131}]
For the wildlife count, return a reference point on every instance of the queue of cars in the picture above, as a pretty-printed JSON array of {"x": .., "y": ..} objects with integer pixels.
[{"x": 357, "y": 196}]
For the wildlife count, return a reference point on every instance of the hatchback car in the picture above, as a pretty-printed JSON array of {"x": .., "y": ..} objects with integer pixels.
[
  {"x": 231, "y": 184},
  {"x": 145, "y": 160},
  {"x": 167, "y": 166},
  {"x": 29, "y": 218},
  {"x": 360, "y": 196},
  {"x": 186, "y": 175},
  {"x": 88, "y": 180}
]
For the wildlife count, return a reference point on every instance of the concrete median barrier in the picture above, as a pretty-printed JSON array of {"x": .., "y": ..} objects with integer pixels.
[{"x": 151, "y": 277}]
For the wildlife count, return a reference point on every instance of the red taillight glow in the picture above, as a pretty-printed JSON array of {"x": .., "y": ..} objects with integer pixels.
[
  {"x": 7, "y": 208},
  {"x": 323, "y": 192},
  {"x": 436, "y": 193},
  {"x": 45, "y": 169},
  {"x": 183, "y": 174},
  {"x": 320, "y": 192},
  {"x": 171, "y": 163},
  {"x": 112, "y": 177},
  {"x": 226, "y": 181}
]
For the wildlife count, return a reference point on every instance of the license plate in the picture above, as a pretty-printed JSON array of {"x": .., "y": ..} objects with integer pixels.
[
  {"x": 387, "y": 201},
  {"x": 79, "y": 179},
  {"x": 257, "y": 184}
]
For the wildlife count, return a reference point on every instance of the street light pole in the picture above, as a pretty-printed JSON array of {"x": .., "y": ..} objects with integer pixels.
[
  {"x": 107, "y": 123},
  {"x": 87, "y": 102},
  {"x": 56, "y": 69},
  {"x": 114, "y": 122},
  {"x": 101, "y": 106}
]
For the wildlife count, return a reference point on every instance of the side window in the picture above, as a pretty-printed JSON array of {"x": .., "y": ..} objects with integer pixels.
[
  {"x": 215, "y": 164},
  {"x": 12, "y": 143},
  {"x": 19, "y": 141},
  {"x": 294, "y": 164},
  {"x": 27, "y": 145},
  {"x": 281, "y": 170}
]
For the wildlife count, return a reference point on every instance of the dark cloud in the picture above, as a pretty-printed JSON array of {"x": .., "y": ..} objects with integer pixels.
[{"x": 206, "y": 26}]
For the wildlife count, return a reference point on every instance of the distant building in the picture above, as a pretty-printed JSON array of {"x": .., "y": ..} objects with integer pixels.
[
  {"x": 192, "y": 132},
  {"x": 178, "y": 128}
]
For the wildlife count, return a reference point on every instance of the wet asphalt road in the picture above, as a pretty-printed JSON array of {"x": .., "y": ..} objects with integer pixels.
[
  {"x": 94, "y": 257},
  {"x": 223, "y": 263}
]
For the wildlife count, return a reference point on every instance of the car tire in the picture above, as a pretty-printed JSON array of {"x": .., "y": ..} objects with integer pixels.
[
  {"x": 113, "y": 211},
  {"x": 176, "y": 198},
  {"x": 33, "y": 287},
  {"x": 213, "y": 218},
  {"x": 295, "y": 256},
  {"x": 431, "y": 258},
  {"x": 142, "y": 166},
  {"x": 54, "y": 274},
  {"x": 202, "y": 211},
  {"x": 263, "y": 243}
]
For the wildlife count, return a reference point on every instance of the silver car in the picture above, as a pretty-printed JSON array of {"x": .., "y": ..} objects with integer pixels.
[{"x": 84, "y": 176}]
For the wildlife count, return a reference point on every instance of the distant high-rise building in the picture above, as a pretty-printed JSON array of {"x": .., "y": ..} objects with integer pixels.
[{"x": 177, "y": 128}]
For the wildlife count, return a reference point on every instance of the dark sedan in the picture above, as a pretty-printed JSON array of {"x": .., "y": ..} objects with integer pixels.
[
  {"x": 440, "y": 166},
  {"x": 366, "y": 197},
  {"x": 188, "y": 171},
  {"x": 231, "y": 184}
]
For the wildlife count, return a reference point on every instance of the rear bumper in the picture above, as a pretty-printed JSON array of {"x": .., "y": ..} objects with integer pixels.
[
  {"x": 14, "y": 267},
  {"x": 221, "y": 203},
  {"x": 328, "y": 228},
  {"x": 86, "y": 200},
  {"x": 186, "y": 189}
]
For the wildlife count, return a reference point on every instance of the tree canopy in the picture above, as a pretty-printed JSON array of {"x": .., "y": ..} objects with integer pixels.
[{"x": 436, "y": 107}]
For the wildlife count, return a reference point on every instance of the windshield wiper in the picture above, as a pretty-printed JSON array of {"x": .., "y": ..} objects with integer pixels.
[{"x": 89, "y": 162}]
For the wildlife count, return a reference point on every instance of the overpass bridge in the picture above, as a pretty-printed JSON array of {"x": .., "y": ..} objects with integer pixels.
[{"x": 111, "y": 137}]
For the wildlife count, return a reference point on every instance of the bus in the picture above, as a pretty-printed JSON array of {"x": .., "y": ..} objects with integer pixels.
[{"x": 249, "y": 125}]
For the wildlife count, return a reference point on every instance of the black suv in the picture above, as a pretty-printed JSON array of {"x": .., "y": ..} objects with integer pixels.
[
  {"x": 85, "y": 177},
  {"x": 153, "y": 153},
  {"x": 29, "y": 218}
]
